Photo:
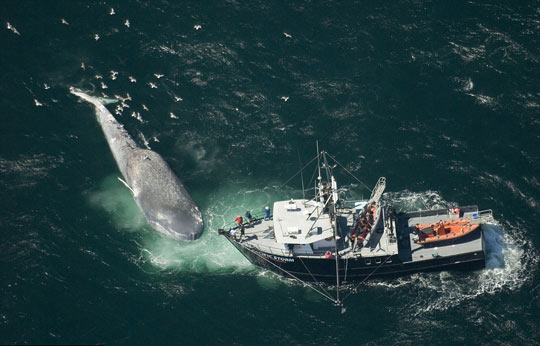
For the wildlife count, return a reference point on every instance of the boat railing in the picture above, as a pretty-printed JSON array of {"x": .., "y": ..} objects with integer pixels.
[
  {"x": 255, "y": 218},
  {"x": 421, "y": 213},
  {"x": 270, "y": 249},
  {"x": 486, "y": 214}
]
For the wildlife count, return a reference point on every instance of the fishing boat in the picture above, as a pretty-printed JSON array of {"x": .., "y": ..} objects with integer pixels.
[{"x": 329, "y": 239}]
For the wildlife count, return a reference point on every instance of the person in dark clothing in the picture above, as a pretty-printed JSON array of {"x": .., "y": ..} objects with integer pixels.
[{"x": 248, "y": 217}]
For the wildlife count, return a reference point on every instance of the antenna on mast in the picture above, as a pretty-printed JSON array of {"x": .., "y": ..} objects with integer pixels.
[
  {"x": 319, "y": 178},
  {"x": 301, "y": 174}
]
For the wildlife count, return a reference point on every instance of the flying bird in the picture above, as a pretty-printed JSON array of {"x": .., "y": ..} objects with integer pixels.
[
  {"x": 112, "y": 12},
  {"x": 197, "y": 27},
  {"x": 126, "y": 23},
  {"x": 13, "y": 29},
  {"x": 63, "y": 21},
  {"x": 287, "y": 35},
  {"x": 132, "y": 80}
]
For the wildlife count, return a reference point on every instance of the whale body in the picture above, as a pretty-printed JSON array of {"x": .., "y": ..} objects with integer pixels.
[{"x": 161, "y": 196}]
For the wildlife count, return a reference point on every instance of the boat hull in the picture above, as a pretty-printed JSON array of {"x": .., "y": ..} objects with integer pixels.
[{"x": 357, "y": 269}]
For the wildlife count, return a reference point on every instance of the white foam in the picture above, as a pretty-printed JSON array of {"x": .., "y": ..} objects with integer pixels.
[{"x": 508, "y": 265}]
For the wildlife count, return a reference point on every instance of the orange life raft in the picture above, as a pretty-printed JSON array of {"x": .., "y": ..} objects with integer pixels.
[{"x": 439, "y": 231}]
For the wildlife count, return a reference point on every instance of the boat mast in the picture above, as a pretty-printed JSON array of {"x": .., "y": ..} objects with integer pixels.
[{"x": 332, "y": 185}]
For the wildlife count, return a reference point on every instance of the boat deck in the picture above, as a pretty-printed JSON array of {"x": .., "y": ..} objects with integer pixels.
[
  {"x": 411, "y": 251},
  {"x": 396, "y": 239}
]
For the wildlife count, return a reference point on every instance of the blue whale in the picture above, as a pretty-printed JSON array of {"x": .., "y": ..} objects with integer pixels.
[{"x": 161, "y": 196}]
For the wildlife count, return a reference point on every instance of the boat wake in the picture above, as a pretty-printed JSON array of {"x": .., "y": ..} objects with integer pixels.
[{"x": 508, "y": 264}]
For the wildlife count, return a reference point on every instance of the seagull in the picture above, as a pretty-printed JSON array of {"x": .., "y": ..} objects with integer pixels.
[
  {"x": 124, "y": 104},
  {"x": 83, "y": 66},
  {"x": 155, "y": 139},
  {"x": 172, "y": 115},
  {"x": 287, "y": 35},
  {"x": 132, "y": 80},
  {"x": 144, "y": 107},
  {"x": 38, "y": 104},
  {"x": 103, "y": 86},
  {"x": 96, "y": 37},
  {"x": 158, "y": 76},
  {"x": 46, "y": 86},
  {"x": 178, "y": 98},
  {"x": 119, "y": 109},
  {"x": 64, "y": 21},
  {"x": 197, "y": 27},
  {"x": 123, "y": 99},
  {"x": 137, "y": 116},
  {"x": 12, "y": 28},
  {"x": 285, "y": 98},
  {"x": 112, "y": 13},
  {"x": 113, "y": 74},
  {"x": 126, "y": 23},
  {"x": 98, "y": 76},
  {"x": 152, "y": 85}
]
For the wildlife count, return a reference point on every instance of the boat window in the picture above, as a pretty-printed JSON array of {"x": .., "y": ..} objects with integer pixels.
[
  {"x": 368, "y": 262},
  {"x": 378, "y": 261}
]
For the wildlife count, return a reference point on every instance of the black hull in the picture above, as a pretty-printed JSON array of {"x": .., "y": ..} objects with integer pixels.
[{"x": 354, "y": 270}]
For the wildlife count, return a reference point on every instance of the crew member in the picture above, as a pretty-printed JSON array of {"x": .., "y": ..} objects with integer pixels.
[{"x": 249, "y": 218}]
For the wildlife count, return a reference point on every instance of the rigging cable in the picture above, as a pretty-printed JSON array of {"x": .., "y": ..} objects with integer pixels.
[
  {"x": 367, "y": 277},
  {"x": 301, "y": 169},
  {"x": 361, "y": 182},
  {"x": 313, "y": 277},
  {"x": 293, "y": 276}
]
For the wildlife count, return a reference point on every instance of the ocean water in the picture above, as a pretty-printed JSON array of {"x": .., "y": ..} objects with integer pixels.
[{"x": 440, "y": 97}]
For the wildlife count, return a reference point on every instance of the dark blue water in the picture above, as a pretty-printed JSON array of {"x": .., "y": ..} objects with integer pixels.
[{"x": 442, "y": 98}]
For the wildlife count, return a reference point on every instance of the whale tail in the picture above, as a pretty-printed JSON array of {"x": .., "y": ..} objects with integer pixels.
[{"x": 92, "y": 99}]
